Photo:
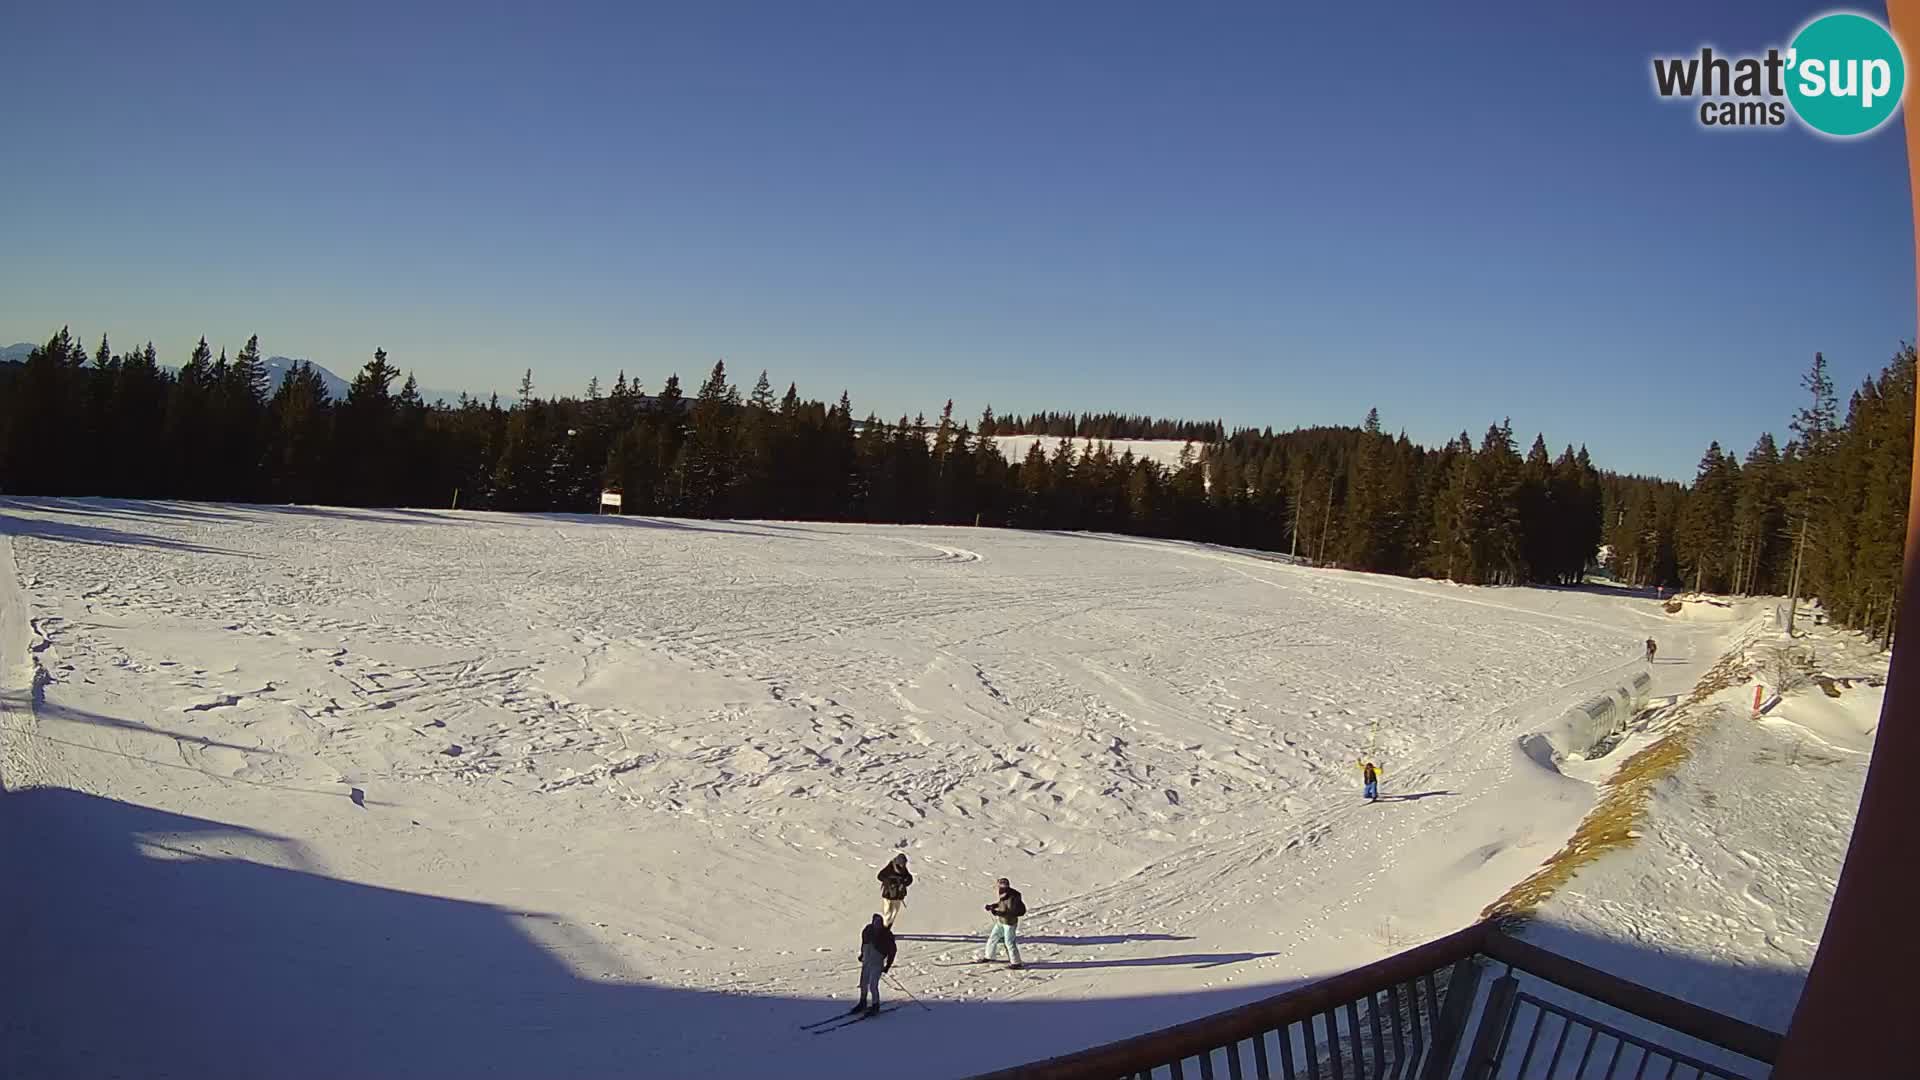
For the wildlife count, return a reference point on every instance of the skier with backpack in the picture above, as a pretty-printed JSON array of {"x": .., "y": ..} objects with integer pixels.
[
  {"x": 876, "y": 959},
  {"x": 1006, "y": 912},
  {"x": 894, "y": 879}
]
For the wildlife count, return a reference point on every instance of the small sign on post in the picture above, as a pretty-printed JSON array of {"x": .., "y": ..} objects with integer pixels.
[{"x": 609, "y": 498}]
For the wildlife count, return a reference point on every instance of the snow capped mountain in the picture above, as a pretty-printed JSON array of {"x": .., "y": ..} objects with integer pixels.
[
  {"x": 279, "y": 367},
  {"x": 16, "y": 353}
]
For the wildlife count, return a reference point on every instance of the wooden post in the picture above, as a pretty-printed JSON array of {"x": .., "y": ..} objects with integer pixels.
[
  {"x": 1855, "y": 1016},
  {"x": 456, "y": 498}
]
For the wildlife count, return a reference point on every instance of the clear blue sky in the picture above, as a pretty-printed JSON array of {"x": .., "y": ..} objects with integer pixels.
[{"x": 1255, "y": 212}]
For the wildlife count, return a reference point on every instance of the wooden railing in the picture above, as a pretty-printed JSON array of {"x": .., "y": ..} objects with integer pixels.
[{"x": 1422, "y": 1015}]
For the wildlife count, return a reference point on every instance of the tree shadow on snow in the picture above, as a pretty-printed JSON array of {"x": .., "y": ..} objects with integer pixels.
[
  {"x": 1051, "y": 939},
  {"x": 73, "y": 532},
  {"x": 185, "y": 513},
  {"x": 148, "y": 942},
  {"x": 1196, "y": 960},
  {"x": 46, "y": 708}
]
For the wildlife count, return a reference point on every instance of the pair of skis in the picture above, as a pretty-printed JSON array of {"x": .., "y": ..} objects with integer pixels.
[
  {"x": 845, "y": 1019},
  {"x": 978, "y": 964}
]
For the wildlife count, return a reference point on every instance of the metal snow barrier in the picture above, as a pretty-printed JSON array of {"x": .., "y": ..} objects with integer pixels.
[
  {"x": 1429, "y": 1014},
  {"x": 1586, "y": 725}
]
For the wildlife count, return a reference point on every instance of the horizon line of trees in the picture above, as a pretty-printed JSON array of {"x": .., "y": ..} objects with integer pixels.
[
  {"x": 121, "y": 425},
  {"x": 1106, "y": 425}
]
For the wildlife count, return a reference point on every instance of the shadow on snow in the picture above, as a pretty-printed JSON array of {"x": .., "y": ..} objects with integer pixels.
[{"x": 146, "y": 942}]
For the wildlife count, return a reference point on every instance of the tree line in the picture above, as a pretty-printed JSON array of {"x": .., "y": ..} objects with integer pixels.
[
  {"x": 1832, "y": 499},
  {"x": 1824, "y": 515},
  {"x": 1059, "y": 425}
]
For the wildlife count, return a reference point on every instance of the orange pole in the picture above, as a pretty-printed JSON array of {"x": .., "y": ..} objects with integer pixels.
[{"x": 1855, "y": 1017}]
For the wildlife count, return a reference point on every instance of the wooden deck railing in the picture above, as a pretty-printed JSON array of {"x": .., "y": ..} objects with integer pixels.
[{"x": 1421, "y": 1015}]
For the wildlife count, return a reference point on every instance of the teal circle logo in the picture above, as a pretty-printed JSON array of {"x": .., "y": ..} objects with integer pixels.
[{"x": 1845, "y": 74}]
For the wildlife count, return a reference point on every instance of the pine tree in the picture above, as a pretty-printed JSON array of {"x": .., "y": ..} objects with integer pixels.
[
  {"x": 365, "y": 476},
  {"x": 42, "y": 413},
  {"x": 713, "y": 462},
  {"x": 1491, "y": 511},
  {"x": 1760, "y": 535},
  {"x": 299, "y": 441},
  {"x": 1812, "y": 486},
  {"x": 1705, "y": 538},
  {"x": 1368, "y": 508},
  {"x": 189, "y": 411},
  {"x": 1452, "y": 554},
  {"x": 1541, "y": 520},
  {"x": 242, "y": 407}
]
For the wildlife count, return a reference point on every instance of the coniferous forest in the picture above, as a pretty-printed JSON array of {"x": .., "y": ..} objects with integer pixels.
[{"x": 1828, "y": 505}]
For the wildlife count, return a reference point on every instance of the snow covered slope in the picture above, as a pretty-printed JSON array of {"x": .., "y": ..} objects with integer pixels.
[
  {"x": 1723, "y": 899},
  {"x": 323, "y": 792}
]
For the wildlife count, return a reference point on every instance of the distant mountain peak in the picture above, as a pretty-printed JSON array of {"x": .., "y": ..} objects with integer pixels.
[{"x": 279, "y": 367}]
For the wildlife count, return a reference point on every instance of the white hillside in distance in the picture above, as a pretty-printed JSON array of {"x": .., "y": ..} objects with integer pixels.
[{"x": 1161, "y": 451}]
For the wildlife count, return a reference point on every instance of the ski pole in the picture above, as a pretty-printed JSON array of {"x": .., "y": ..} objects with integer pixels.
[{"x": 909, "y": 993}]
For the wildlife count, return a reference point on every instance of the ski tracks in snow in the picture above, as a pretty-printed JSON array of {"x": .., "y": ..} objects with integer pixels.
[{"x": 1157, "y": 740}]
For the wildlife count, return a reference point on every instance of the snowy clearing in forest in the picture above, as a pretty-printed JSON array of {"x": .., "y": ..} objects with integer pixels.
[
  {"x": 310, "y": 791},
  {"x": 1163, "y": 452}
]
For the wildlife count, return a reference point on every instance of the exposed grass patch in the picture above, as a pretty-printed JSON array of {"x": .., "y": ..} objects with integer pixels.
[{"x": 1614, "y": 822}]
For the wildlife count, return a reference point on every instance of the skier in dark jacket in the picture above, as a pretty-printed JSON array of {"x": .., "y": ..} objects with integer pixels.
[
  {"x": 894, "y": 879},
  {"x": 1650, "y": 650},
  {"x": 1006, "y": 912},
  {"x": 876, "y": 959}
]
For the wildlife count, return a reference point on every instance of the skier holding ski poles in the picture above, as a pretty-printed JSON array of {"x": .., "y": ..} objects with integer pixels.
[{"x": 876, "y": 959}]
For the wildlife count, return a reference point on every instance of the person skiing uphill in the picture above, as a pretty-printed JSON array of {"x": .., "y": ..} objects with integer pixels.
[
  {"x": 1370, "y": 778},
  {"x": 1650, "y": 650},
  {"x": 876, "y": 959},
  {"x": 894, "y": 879},
  {"x": 1006, "y": 912}
]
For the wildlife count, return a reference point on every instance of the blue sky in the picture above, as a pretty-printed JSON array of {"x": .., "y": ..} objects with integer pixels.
[{"x": 1246, "y": 211}]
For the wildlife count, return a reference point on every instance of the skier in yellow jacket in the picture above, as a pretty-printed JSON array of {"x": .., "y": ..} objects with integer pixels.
[{"x": 1370, "y": 777}]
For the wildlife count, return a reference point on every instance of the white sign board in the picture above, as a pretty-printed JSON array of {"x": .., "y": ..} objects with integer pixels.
[{"x": 610, "y": 498}]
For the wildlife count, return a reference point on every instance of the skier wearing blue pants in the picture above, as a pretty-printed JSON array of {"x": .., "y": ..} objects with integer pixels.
[
  {"x": 1006, "y": 912},
  {"x": 1370, "y": 777}
]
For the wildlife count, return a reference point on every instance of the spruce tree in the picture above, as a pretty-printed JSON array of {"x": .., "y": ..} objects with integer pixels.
[
  {"x": 1368, "y": 507},
  {"x": 713, "y": 464}
]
